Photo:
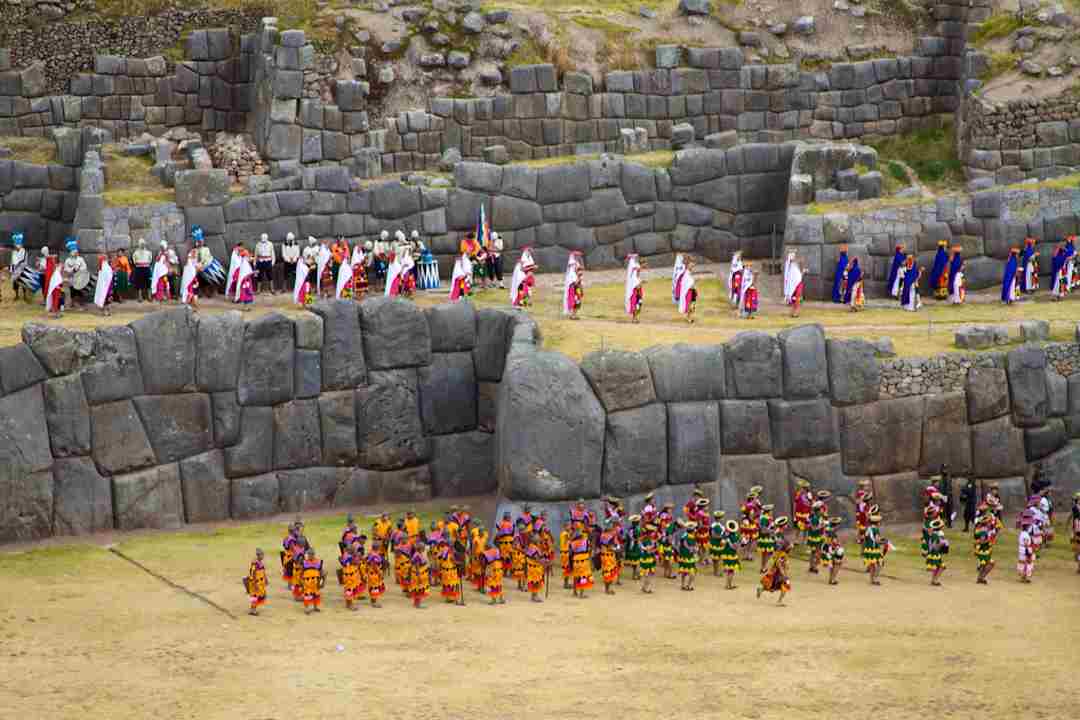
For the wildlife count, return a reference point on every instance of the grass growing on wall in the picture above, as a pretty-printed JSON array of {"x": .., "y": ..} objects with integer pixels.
[
  {"x": 128, "y": 180},
  {"x": 40, "y": 151},
  {"x": 1000, "y": 63},
  {"x": 997, "y": 26},
  {"x": 931, "y": 153}
]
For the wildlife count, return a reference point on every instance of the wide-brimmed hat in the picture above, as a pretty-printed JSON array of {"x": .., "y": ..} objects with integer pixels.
[
  {"x": 824, "y": 494},
  {"x": 732, "y": 526},
  {"x": 875, "y": 518},
  {"x": 755, "y": 490},
  {"x": 835, "y": 520},
  {"x": 768, "y": 506},
  {"x": 702, "y": 502},
  {"x": 781, "y": 521},
  {"x": 718, "y": 514},
  {"x": 802, "y": 483},
  {"x": 691, "y": 525},
  {"x": 937, "y": 524}
]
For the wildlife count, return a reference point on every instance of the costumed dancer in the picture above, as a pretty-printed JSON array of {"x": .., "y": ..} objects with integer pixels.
[
  {"x": 957, "y": 287},
  {"x": 688, "y": 293},
  {"x": 406, "y": 279},
  {"x": 1076, "y": 528},
  {"x": 854, "y": 297},
  {"x": 874, "y": 548},
  {"x": 634, "y": 290},
  {"x": 255, "y": 583},
  {"x": 609, "y": 561},
  {"x": 302, "y": 291},
  {"x": 581, "y": 562},
  {"x": 744, "y": 288},
  {"x": 983, "y": 543},
  {"x": 1070, "y": 259},
  {"x": 1029, "y": 267},
  {"x": 749, "y": 511},
  {"x": 140, "y": 279},
  {"x": 676, "y": 275},
  {"x": 939, "y": 272},
  {"x": 1010, "y": 289},
  {"x": 729, "y": 554},
  {"x": 863, "y": 497},
  {"x": 286, "y": 555},
  {"x": 734, "y": 278},
  {"x": 1025, "y": 558},
  {"x": 189, "y": 281},
  {"x": 666, "y": 541},
  {"x": 103, "y": 291},
  {"x": 649, "y": 550},
  {"x": 419, "y": 577},
  {"x": 766, "y": 535},
  {"x": 375, "y": 565},
  {"x": 76, "y": 275},
  {"x": 895, "y": 271},
  {"x": 838, "y": 278},
  {"x": 461, "y": 279},
  {"x": 494, "y": 250},
  {"x": 687, "y": 553},
  {"x": 793, "y": 283},
  {"x": 343, "y": 285},
  {"x": 936, "y": 550},
  {"x": 265, "y": 257},
  {"x": 803, "y": 502},
  {"x": 245, "y": 283},
  {"x": 351, "y": 575},
  {"x": 18, "y": 264},
  {"x": 290, "y": 256},
  {"x": 325, "y": 268},
  {"x": 522, "y": 281},
  {"x": 1059, "y": 274},
  {"x": 52, "y": 285},
  {"x": 574, "y": 292},
  {"x": 717, "y": 535},
  {"x": 815, "y": 533},
  {"x": 535, "y": 568},
  {"x": 776, "y": 578},
  {"x": 832, "y": 550},
  {"x": 159, "y": 281},
  {"x": 909, "y": 292},
  {"x": 313, "y": 577},
  {"x": 632, "y": 543},
  {"x": 358, "y": 262},
  {"x": 493, "y": 575},
  {"x": 750, "y": 297},
  {"x": 565, "y": 536}
]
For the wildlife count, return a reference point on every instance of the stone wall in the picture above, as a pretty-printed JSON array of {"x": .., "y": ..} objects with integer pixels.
[
  {"x": 1003, "y": 143},
  {"x": 768, "y": 410},
  {"x": 985, "y": 225},
  {"x": 181, "y": 418},
  {"x": 40, "y": 200}
]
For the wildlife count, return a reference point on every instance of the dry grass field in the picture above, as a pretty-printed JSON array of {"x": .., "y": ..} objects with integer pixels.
[
  {"x": 88, "y": 635},
  {"x": 604, "y": 324}
]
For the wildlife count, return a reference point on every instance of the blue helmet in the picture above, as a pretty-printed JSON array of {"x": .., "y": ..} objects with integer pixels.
[
  {"x": 72, "y": 244},
  {"x": 197, "y": 233},
  {"x": 17, "y": 238}
]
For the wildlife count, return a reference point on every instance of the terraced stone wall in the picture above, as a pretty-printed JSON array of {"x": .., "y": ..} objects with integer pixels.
[
  {"x": 181, "y": 418},
  {"x": 769, "y": 410},
  {"x": 1004, "y": 143}
]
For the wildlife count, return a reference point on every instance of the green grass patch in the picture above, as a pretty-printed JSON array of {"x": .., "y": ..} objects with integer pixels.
[
  {"x": 997, "y": 26},
  {"x": 894, "y": 179},
  {"x": 128, "y": 180},
  {"x": 40, "y": 151},
  {"x": 608, "y": 27},
  {"x": 1000, "y": 63},
  {"x": 654, "y": 159},
  {"x": 931, "y": 153}
]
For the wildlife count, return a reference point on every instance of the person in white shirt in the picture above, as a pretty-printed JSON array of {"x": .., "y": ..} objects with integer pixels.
[
  {"x": 494, "y": 258},
  {"x": 18, "y": 264},
  {"x": 142, "y": 259},
  {"x": 290, "y": 255},
  {"x": 74, "y": 267},
  {"x": 265, "y": 257}
]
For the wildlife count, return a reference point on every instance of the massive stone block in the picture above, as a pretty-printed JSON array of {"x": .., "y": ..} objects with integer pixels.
[
  {"x": 693, "y": 442},
  {"x": 82, "y": 498},
  {"x": 987, "y": 391},
  {"x": 226, "y": 418},
  {"x": 1041, "y": 441},
  {"x": 946, "y": 436},
  {"x": 297, "y": 434},
  {"x": 19, "y": 368},
  {"x": 253, "y": 454},
  {"x": 149, "y": 499},
  {"x": 635, "y": 450},
  {"x": 389, "y": 431},
  {"x": 26, "y": 502},
  {"x": 118, "y": 440},
  {"x": 854, "y": 373},
  {"x": 337, "y": 416},
  {"x": 997, "y": 449},
  {"x": 343, "y": 365},
  {"x": 685, "y": 373},
  {"x": 738, "y": 473},
  {"x": 266, "y": 369},
  {"x": 744, "y": 427},
  {"x": 560, "y": 456},
  {"x": 805, "y": 368},
  {"x": 1063, "y": 469},
  {"x": 448, "y": 393},
  {"x": 221, "y": 339},
  {"x": 115, "y": 375},
  {"x": 802, "y": 428},
  {"x": 59, "y": 350},
  {"x": 754, "y": 368},
  {"x": 1057, "y": 394},
  {"x": 493, "y": 331},
  {"x": 621, "y": 379},
  {"x": 1011, "y": 490},
  {"x": 167, "y": 357},
  {"x": 452, "y": 327},
  {"x": 900, "y": 496},
  {"x": 824, "y": 472},
  {"x": 204, "y": 487},
  {"x": 395, "y": 334},
  {"x": 463, "y": 464},
  {"x": 67, "y": 416},
  {"x": 255, "y": 496},
  {"x": 882, "y": 438},
  {"x": 1027, "y": 385},
  {"x": 178, "y": 425},
  {"x": 307, "y": 373},
  {"x": 309, "y": 489}
]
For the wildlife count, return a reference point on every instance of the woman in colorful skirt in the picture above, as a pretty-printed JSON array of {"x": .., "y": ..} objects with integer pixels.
[
  {"x": 609, "y": 561},
  {"x": 351, "y": 575},
  {"x": 873, "y": 549},
  {"x": 493, "y": 576},
  {"x": 776, "y": 578},
  {"x": 937, "y": 549},
  {"x": 729, "y": 554},
  {"x": 255, "y": 583},
  {"x": 766, "y": 535},
  {"x": 687, "y": 552},
  {"x": 419, "y": 578},
  {"x": 375, "y": 568},
  {"x": 649, "y": 551},
  {"x": 717, "y": 533},
  {"x": 666, "y": 545},
  {"x": 581, "y": 564},
  {"x": 535, "y": 568},
  {"x": 983, "y": 544},
  {"x": 832, "y": 550},
  {"x": 449, "y": 577}
]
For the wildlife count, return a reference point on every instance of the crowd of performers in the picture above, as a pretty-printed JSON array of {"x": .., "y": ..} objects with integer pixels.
[{"x": 458, "y": 551}]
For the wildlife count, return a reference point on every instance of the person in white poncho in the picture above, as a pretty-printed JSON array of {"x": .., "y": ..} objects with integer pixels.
[
  {"x": 634, "y": 291},
  {"x": 688, "y": 293},
  {"x": 735, "y": 278},
  {"x": 461, "y": 280},
  {"x": 572, "y": 290},
  {"x": 522, "y": 281},
  {"x": 676, "y": 277},
  {"x": 793, "y": 283}
]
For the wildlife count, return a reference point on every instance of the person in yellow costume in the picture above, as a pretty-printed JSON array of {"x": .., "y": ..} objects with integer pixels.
[
  {"x": 353, "y": 574},
  {"x": 312, "y": 579},
  {"x": 412, "y": 526},
  {"x": 256, "y": 583}
]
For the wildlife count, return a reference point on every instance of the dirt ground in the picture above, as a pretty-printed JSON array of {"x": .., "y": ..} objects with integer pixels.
[{"x": 89, "y": 635}]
